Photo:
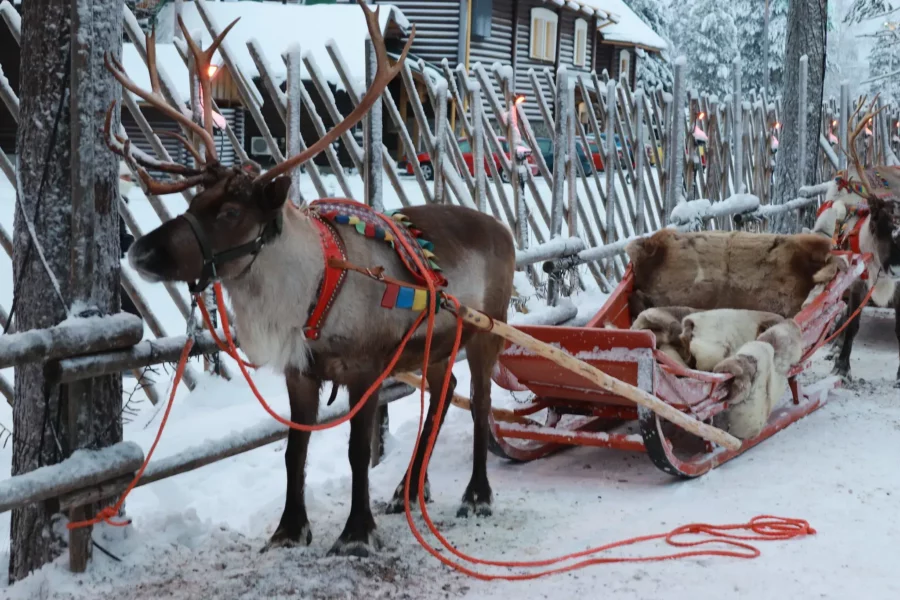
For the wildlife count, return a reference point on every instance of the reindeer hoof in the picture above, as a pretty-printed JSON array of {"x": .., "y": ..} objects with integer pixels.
[
  {"x": 283, "y": 538},
  {"x": 842, "y": 371},
  {"x": 359, "y": 548},
  {"x": 397, "y": 505},
  {"x": 475, "y": 502},
  {"x": 479, "y": 509}
]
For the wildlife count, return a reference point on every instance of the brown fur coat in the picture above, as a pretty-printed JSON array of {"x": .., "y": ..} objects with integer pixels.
[{"x": 707, "y": 270}]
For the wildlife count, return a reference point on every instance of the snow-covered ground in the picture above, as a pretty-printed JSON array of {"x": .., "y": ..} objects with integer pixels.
[{"x": 198, "y": 535}]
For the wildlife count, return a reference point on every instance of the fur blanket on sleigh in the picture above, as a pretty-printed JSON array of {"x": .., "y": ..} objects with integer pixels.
[
  {"x": 724, "y": 301},
  {"x": 757, "y": 348}
]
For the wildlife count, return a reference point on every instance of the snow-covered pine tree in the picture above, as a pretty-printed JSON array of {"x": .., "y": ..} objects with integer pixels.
[
  {"x": 884, "y": 58},
  {"x": 654, "y": 70},
  {"x": 863, "y": 10},
  {"x": 748, "y": 19},
  {"x": 778, "y": 10},
  {"x": 709, "y": 41}
]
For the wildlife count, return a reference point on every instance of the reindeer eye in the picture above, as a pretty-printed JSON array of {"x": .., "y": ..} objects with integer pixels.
[{"x": 229, "y": 213}]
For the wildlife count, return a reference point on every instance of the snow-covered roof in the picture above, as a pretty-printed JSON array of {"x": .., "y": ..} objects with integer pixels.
[
  {"x": 277, "y": 27},
  {"x": 618, "y": 23},
  {"x": 588, "y": 8},
  {"x": 625, "y": 26}
]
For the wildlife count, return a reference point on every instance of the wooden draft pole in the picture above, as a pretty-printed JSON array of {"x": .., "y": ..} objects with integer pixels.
[{"x": 611, "y": 384}]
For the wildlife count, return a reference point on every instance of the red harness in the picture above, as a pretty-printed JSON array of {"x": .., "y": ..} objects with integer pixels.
[
  {"x": 332, "y": 279},
  {"x": 843, "y": 239}
]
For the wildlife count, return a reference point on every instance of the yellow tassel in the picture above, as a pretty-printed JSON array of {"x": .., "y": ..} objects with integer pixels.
[
  {"x": 420, "y": 300},
  {"x": 354, "y": 220},
  {"x": 427, "y": 253}
]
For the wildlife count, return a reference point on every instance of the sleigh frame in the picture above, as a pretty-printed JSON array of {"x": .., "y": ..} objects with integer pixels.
[{"x": 575, "y": 412}]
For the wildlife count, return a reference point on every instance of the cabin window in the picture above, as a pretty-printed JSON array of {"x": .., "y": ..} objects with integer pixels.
[
  {"x": 482, "y": 13},
  {"x": 625, "y": 66},
  {"x": 543, "y": 34},
  {"x": 580, "y": 42}
]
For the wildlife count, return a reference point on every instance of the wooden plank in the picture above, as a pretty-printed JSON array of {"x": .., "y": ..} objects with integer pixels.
[
  {"x": 71, "y": 338},
  {"x": 85, "y": 468},
  {"x": 144, "y": 354}
]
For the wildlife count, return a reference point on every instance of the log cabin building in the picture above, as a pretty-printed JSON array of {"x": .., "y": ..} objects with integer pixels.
[{"x": 585, "y": 36}]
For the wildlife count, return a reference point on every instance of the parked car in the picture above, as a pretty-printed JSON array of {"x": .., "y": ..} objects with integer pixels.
[
  {"x": 599, "y": 151},
  {"x": 546, "y": 147},
  {"x": 466, "y": 148}
]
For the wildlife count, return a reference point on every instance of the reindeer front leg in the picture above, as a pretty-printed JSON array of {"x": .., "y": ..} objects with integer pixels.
[
  {"x": 359, "y": 537},
  {"x": 294, "y": 528},
  {"x": 842, "y": 363}
]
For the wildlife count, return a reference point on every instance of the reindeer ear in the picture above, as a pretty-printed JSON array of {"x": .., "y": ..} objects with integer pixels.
[{"x": 273, "y": 194}]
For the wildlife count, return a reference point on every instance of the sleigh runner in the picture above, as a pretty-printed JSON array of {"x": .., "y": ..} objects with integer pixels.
[{"x": 576, "y": 412}]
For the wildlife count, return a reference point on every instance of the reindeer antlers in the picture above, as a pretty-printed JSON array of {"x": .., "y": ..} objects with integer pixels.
[
  {"x": 154, "y": 97},
  {"x": 208, "y": 168},
  {"x": 383, "y": 77},
  {"x": 853, "y": 133}
]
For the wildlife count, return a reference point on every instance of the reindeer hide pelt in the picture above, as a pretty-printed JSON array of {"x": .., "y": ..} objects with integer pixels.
[
  {"x": 708, "y": 270},
  {"x": 760, "y": 371},
  {"x": 665, "y": 323},
  {"x": 710, "y": 337}
]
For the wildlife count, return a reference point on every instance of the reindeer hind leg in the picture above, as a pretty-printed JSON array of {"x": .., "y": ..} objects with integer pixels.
[
  {"x": 482, "y": 352},
  {"x": 435, "y": 378}
]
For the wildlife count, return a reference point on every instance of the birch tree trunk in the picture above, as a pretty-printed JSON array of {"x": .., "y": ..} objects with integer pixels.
[
  {"x": 45, "y": 143},
  {"x": 806, "y": 27}
]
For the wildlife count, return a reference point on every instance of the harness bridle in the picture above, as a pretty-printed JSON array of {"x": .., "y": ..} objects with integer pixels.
[
  {"x": 213, "y": 260},
  {"x": 333, "y": 251}
]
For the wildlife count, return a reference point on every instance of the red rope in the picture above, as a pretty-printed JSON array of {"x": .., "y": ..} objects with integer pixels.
[{"x": 107, "y": 514}]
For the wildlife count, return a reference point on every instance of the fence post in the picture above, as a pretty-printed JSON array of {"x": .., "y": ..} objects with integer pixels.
[
  {"x": 372, "y": 156},
  {"x": 737, "y": 141},
  {"x": 802, "y": 114},
  {"x": 560, "y": 144},
  {"x": 675, "y": 151},
  {"x": 639, "y": 160},
  {"x": 512, "y": 142},
  {"x": 612, "y": 162},
  {"x": 93, "y": 405},
  {"x": 440, "y": 141},
  {"x": 373, "y": 137},
  {"x": 294, "y": 142},
  {"x": 844, "y": 118},
  {"x": 571, "y": 164},
  {"x": 478, "y": 145}
]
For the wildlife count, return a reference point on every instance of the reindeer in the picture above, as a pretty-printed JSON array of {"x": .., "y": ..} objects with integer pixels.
[
  {"x": 877, "y": 233},
  {"x": 270, "y": 257}
]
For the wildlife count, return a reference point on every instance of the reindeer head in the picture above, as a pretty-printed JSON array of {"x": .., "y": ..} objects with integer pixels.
[
  {"x": 238, "y": 210},
  {"x": 884, "y": 215}
]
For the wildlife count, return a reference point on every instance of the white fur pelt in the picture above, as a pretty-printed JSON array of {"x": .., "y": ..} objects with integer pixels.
[
  {"x": 760, "y": 381},
  {"x": 714, "y": 335},
  {"x": 843, "y": 201},
  {"x": 665, "y": 323}
]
